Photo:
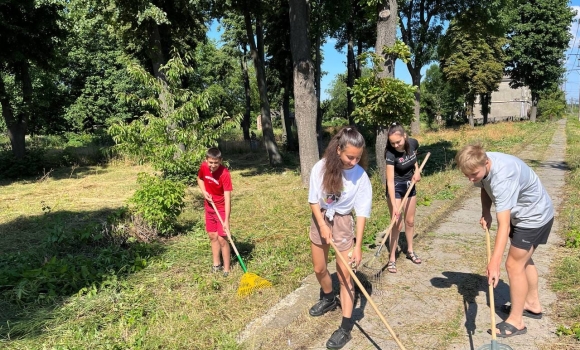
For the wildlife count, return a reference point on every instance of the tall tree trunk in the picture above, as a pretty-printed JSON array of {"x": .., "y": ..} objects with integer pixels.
[
  {"x": 470, "y": 101},
  {"x": 416, "y": 79},
  {"x": 290, "y": 142},
  {"x": 534, "y": 107},
  {"x": 386, "y": 36},
  {"x": 304, "y": 94},
  {"x": 350, "y": 64},
  {"x": 16, "y": 126},
  {"x": 247, "y": 112},
  {"x": 317, "y": 78},
  {"x": 485, "y": 106},
  {"x": 257, "y": 52}
]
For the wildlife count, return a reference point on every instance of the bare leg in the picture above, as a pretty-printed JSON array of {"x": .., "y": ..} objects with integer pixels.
[
  {"x": 410, "y": 209},
  {"x": 395, "y": 231},
  {"x": 215, "y": 248},
  {"x": 532, "y": 299},
  {"x": 346, "y": 286},
  {"x": 516, "y": 266},
  {"x": 319, "y": 259},
  {"x": 225, "y": 250}
]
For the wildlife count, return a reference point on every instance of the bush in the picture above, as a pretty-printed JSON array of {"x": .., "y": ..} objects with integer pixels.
[
  {"x": 551, "y": 105},
  {"x": 158, "y": 202}
]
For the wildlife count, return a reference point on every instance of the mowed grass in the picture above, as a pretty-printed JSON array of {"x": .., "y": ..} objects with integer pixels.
[
  {"x": 175, "y": 302},
  {"x": 566, "y": 278}
]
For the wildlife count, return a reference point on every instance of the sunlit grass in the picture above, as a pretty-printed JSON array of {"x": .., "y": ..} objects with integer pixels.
[{"x": 176, "y": 303}]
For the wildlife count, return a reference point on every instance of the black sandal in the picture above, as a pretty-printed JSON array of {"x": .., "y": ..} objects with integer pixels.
[{"x": 414, "y": 258}]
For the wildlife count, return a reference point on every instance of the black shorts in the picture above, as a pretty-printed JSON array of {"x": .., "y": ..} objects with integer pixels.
[
  {"x": 525, "y": 238},
  {"x": 401, "y": 188}
]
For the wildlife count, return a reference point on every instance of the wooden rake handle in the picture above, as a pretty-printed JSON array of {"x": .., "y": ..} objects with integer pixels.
[
  {"x": 388, "y": 230},
  {"x": 491, "y": 297},
  {"x": 363, "y": 290},
  {"x": 229, "y": 237}
]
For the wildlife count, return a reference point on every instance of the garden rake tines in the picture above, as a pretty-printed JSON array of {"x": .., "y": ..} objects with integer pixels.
[
  {"x": 373, "y": 268},
  {"x": 249, "y": 282}
]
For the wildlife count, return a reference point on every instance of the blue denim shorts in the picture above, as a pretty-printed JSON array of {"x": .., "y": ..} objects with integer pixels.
[{"x": 401, "y": 188}]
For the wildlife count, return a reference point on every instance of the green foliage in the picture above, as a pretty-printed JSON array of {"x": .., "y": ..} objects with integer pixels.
[
  {"x": 399, "y": 51},
  {"x": 380, "y": 101},
  {"x": 31, "y": 164},
  {"x": 471, "y": 57},
  {"x": 538, "y": 37},
  {"x": 172, "y": 135},
  {"x": 573, "y": 330},
  {"x": 439, "y": 99},
  {"x": 573, "y": 239},
  {"x": 158, "y": 201},
  {"x": 552, "y": 105}
]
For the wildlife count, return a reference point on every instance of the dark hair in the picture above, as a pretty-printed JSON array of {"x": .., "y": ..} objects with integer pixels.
[
  {"x": 332, "y": 178},
  {"x": 393, "y": 129},
  {"x": 213, "y": 153}
]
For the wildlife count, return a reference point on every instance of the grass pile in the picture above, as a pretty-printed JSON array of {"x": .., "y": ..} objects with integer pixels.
[{"x": 171, "y": 299}]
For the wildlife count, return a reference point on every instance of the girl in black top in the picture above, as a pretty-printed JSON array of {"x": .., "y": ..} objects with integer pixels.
[{"x": 402, "y": 168}]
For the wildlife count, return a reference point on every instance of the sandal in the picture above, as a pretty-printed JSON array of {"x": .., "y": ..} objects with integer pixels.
[
  {"x": 414, "y": 258},
  {"x": 504, "y": 328},
  {"x": 392, "y": 267}
]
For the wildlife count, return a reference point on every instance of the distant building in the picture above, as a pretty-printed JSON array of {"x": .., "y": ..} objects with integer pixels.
[{"x": 506, "y": 103}]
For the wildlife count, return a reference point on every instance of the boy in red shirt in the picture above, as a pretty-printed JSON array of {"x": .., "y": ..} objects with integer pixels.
[{"x": 215, "y": 183}]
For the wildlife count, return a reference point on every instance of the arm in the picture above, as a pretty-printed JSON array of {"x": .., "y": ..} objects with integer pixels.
[
  {"x": 391, "y": 189},
  {"x": 503, "y": 230},
  {"x": 201, "y": 185},
  {"x": 486, "y": 219},
  {"x": 319, "y": 219},
  {"x": 417, "y": 173},
  {"x": 227, "y": 205},
  {"x": 360, "y": 226}
]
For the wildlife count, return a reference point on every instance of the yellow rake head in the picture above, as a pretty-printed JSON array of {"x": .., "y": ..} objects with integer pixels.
[{"x": 251, "y": 282}]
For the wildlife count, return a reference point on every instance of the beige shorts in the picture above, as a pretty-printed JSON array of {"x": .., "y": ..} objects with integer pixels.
[{"x": 341, "y": 227}]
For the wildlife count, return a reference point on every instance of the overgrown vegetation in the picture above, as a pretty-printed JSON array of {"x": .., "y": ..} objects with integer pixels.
[
  {"x": 566, "y": 279},
  {"x": 69, "y": 283}
]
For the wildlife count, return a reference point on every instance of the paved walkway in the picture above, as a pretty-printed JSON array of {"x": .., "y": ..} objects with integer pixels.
[{"x": 440, "y": 304}]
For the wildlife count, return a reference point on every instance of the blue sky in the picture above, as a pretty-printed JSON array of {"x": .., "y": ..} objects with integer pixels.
[{"x": 335, "y": 61}]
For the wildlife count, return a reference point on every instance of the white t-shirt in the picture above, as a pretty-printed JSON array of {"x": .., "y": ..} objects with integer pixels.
[
  {"x": 356, "y": 194},
  {"x": 513, "y": 185}
]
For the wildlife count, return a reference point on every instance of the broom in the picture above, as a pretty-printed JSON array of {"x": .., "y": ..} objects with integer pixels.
[
  {"x": 249, "y": 282},
  {"x": 374, "y": 267}
]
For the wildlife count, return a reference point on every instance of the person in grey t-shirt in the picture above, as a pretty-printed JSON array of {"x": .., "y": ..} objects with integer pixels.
[{"x": 524, "y": 213}]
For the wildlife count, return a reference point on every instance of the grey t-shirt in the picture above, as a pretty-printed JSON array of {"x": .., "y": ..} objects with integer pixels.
[{"x": 511, "y": 184}]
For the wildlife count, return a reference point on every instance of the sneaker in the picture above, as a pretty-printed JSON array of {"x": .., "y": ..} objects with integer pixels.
[
  {"x": 216, "y": 268},
  {"x": 323, "y": 306},
  {"x": 226, "y": 273},
  {"x": 338, "y": 339}
]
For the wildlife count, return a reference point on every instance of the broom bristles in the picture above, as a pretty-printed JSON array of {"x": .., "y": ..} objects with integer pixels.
[{"x": 251, "y": 282}]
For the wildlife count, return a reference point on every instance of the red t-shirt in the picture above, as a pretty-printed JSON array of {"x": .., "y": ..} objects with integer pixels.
[{"x": 216, "y": 183}]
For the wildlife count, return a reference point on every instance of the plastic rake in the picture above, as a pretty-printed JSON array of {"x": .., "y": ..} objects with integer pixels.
[
  {"x": 373, "y": 268},
  {"x": 250, "y": 282}
]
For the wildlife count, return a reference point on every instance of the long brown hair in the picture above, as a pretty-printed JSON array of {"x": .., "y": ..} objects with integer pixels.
[
  {"x": 332, "y": 178},
  {"x": 393, "y": 129}
]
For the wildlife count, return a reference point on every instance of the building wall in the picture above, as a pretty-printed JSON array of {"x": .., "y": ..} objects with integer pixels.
[{"x": 506, "y": 103}]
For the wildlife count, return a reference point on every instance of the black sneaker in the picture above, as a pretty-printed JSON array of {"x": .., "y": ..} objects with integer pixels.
[
  {"x": 338, "y": 339},
  {"x": 323, "y": 306}
]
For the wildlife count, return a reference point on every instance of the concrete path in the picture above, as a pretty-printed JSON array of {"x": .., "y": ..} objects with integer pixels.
[{"x": 440, "y": 304}]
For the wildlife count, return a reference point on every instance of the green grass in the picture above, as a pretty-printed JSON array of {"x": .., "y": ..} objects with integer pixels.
[
  {"x": 166, "y": 297},
  {"x": 566, "y": 278}
]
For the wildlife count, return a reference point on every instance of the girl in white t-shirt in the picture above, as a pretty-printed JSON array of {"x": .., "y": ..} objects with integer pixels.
[{"x": 338, "y": 185}]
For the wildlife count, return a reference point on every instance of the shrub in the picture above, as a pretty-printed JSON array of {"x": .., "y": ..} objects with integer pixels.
[{"x": 158, "y": 201}]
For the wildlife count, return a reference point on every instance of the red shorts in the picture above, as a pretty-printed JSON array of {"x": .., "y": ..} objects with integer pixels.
[{"x": 212, "y": 222}]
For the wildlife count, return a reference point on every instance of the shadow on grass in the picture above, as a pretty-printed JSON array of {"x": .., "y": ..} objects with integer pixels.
[
  {"x": 442, "y": 155},
  {"x": 469, "y": 285},
  {"x": 47, "y": 258}
]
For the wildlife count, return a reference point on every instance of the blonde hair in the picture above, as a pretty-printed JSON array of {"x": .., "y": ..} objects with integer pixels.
[{"x": 470, "y": 157}]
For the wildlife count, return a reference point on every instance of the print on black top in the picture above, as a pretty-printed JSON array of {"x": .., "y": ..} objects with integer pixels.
[{"x": 403, "y": 162}]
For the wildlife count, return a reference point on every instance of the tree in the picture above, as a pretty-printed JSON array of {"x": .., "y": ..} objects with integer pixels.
[
  {"x": 304, "y": 92},
  {"x": 30, "y": 35},
  {"x": 439, "y": 101},
  {"x": 173, "y": 119},
  {"x": 538, "y": 39},
  {"x": 471, "y": 58}
]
